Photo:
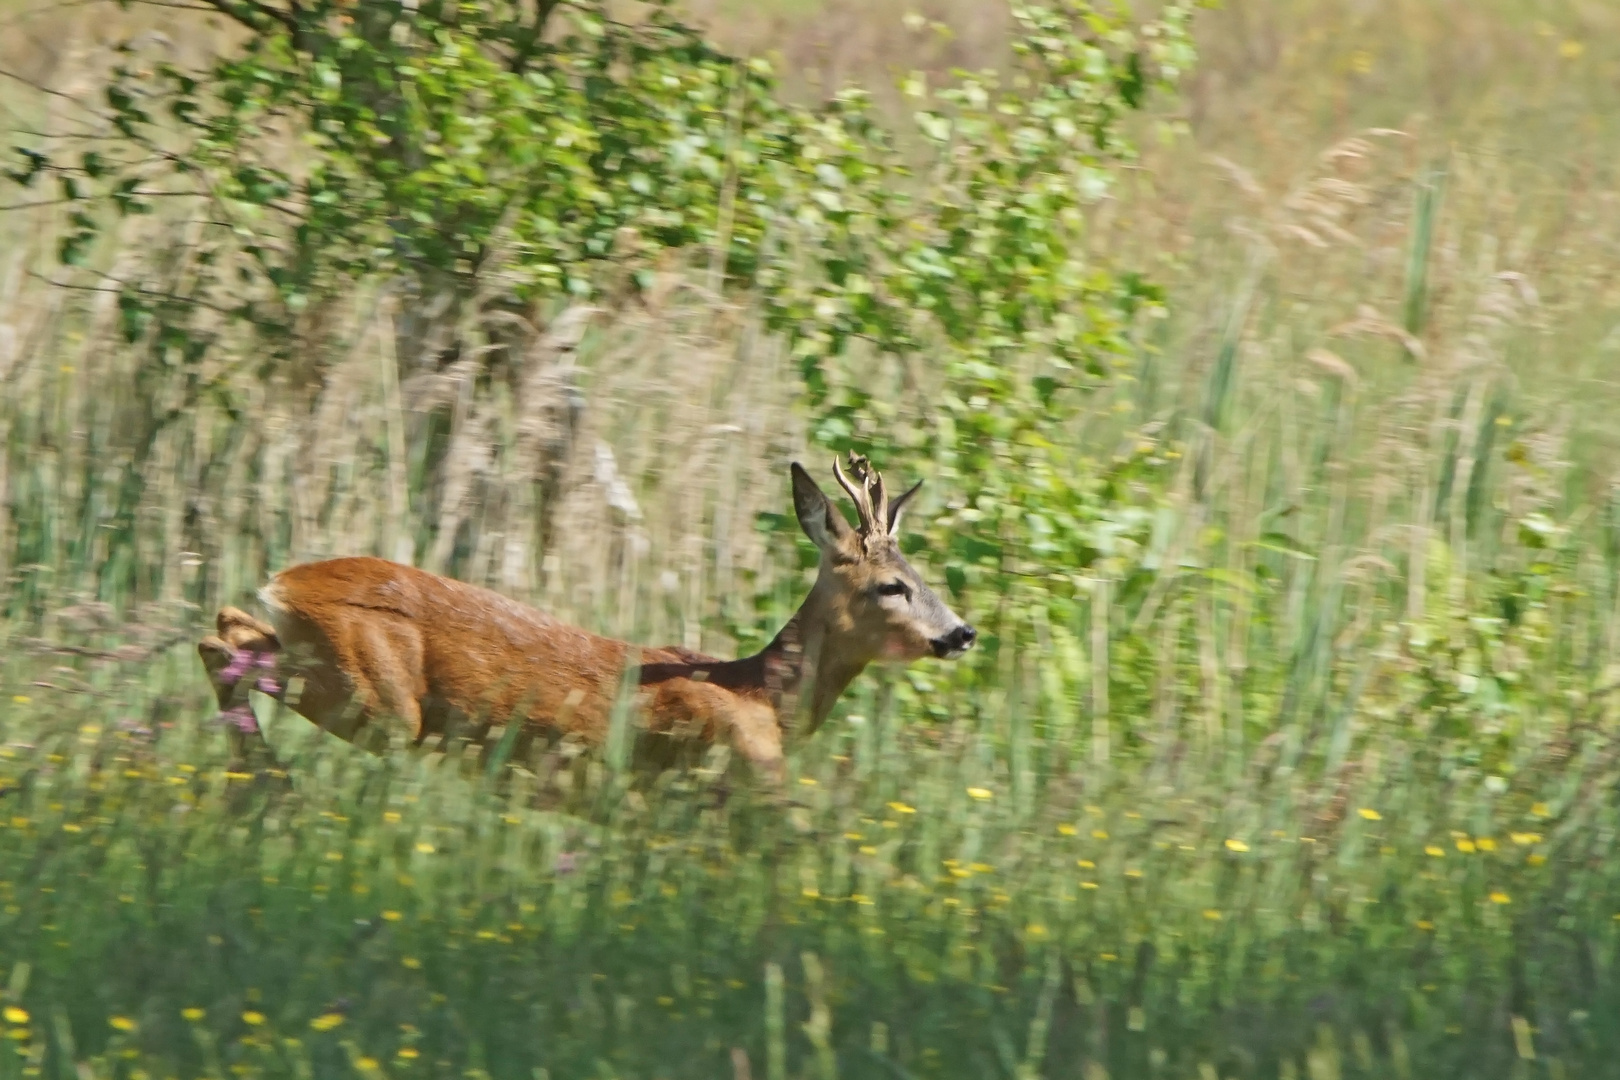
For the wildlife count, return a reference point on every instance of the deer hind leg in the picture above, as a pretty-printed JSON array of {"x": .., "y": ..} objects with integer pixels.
[
  {"x": 242, "y": 657},
  {"x": 385, "y": 668},
  {"x": 228, "y": 671}
]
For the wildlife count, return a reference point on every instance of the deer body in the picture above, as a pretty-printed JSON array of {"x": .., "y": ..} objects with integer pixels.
[{"x": 366, "y": 648}]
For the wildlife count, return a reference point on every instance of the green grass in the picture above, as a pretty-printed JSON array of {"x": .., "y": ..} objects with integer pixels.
[
  {"x": 1322, "y": 787},
  {"x": 1144, "y": 923}
]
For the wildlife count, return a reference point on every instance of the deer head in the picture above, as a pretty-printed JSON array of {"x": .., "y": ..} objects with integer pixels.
[{"x": 872, "y": 604}]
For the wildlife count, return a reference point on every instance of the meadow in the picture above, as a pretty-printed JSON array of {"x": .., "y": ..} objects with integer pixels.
[{"x": 1308, "y": 771}]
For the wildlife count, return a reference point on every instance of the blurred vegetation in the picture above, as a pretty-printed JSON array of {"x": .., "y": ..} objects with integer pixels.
[{"x": 1265, "y": 424}]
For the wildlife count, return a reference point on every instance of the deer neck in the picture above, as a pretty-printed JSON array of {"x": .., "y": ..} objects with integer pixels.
[{"x": 803, "y": 675}]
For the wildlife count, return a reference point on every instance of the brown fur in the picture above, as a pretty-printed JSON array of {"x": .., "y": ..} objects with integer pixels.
[{"x": 366, "y": 648}]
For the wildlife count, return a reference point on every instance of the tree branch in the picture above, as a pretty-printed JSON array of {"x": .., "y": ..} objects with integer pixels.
[
  {"x": 530, "y": 42},
  {"x": 256, "y": 16},
  {"x": 43, "y": 89}
]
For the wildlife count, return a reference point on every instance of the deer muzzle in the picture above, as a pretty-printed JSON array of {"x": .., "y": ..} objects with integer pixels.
[{"x": 955, "y": 643}]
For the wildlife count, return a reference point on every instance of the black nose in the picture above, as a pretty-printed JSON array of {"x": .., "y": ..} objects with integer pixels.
[{"x": 959, "y": 640}]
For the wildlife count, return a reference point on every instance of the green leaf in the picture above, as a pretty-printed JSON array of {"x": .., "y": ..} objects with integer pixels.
[
  {"x": 36, "y": 164},
  {"x": 74, "y": 248},
  {"x": 1282, "y": 544}
]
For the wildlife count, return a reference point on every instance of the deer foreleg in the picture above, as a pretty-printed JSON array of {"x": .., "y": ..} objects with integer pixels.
[{"x": 755, "y": 736}]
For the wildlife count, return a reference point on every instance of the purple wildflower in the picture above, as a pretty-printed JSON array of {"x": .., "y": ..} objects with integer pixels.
[
  {"x": 241, "y": 660},
  {"x": 245, "y": 660},
  {"x": 242, "y": 717}
]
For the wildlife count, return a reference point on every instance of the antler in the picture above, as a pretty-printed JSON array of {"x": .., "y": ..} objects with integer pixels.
[{"x": 871, "y": 501}]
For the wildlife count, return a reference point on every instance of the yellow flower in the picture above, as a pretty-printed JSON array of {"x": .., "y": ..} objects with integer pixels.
[
  {"x": 1540, "y": 810},
  {"x": 1569, "y": 50},
  {"x": 1099, "y": 834},
  {"x": 1466, "y": 846},
  {"x": 367, "y": 1064},
  {"x": 20, "y": 699},
  {"x": 808, "y": 781},
  {"x": 1370, "y": 814},
  {"x": 1536, "y": 858},
  {"x": 1093, "y": 885},
  {"x": 979, "y": 792},
  {"x": 411, "y": 962},
  {"x": 391, "y": 816},
  {"x": 1500, "y": 897},
  {"x": 409, "y": 1053},
  {"x": 902, "y": 808},
  {"x": 392, "y": 916},
  {"x": 326, "y": 1021},
  {"x": 1212, "y": 914},
  {"x": 1133, "y": 873},
  {"x": 1435, "y": 850},
  {"x": 192, "y": 1014},
  {"x": 1525, "y": 839},
  {"x": 424, "y": 847},
  {"x": 121, "y": 1023},
  {"x": 1067, "y": 830},
  {"x": 1425, "y": 924},
  {"x": 1236, "y": 845},
  {"x": 15, "y": 1015},
  {"x": 1485, "y": 843},
  {"x": 1086, "y": 864},
  {"x": 253, "y": 1018}
]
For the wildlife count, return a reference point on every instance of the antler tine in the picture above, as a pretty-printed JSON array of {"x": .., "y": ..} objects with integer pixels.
[
  {"x": 880, "y": 503},
  {"x": 863, "y": 504}
]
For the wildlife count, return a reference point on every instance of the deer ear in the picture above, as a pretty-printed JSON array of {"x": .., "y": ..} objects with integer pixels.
[
  {"x": 818, "y": 517},
  {"x": 899, "y": 505}
]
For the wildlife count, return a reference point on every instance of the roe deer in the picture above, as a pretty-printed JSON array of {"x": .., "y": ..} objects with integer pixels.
[{"x": 358, "y": 644}]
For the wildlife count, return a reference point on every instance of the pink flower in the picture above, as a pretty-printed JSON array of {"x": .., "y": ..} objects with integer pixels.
[
  {"x": 242, "y": 717},
  {"x": 245, "y": 660},
  {"x": 240, "y": 662}
]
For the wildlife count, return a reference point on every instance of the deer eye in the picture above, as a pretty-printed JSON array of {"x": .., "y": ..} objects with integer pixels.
[{"x": 894, "y": 588}]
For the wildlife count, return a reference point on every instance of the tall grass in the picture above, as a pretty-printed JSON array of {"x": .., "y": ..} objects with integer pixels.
[{"x": 1336, "y": 798}]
